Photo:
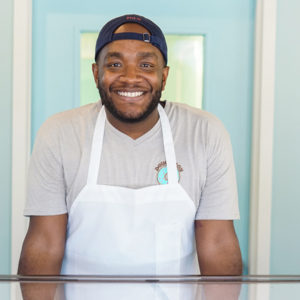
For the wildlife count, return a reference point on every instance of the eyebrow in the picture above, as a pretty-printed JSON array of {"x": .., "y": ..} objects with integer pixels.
[
  {"x": 113, "y": 54},
  {"x": 139, "y": 54}
]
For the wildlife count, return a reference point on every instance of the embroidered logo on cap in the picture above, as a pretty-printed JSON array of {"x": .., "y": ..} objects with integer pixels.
[{"x": 133, "y": 18}]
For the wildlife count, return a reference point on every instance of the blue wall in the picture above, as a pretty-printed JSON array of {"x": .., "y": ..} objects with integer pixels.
[
  {"x": 6, "y": 12},
  {"x": 285, "y": 242},
  {"x": 228, "y": 26},
  {"x": 229, "y": 99}
]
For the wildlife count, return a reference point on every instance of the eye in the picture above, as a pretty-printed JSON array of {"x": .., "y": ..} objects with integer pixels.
[
  {"x": 113, "y": 65},
  {"x": 147, "y": 66}
]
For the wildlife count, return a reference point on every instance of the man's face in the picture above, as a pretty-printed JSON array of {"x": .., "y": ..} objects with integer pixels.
[{"x": 130, "y": 76}]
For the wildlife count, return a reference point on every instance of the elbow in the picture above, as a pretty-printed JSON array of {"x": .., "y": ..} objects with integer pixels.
[{"x": 40, "y": 260}]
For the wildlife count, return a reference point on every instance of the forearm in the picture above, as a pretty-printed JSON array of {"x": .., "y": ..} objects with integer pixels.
[
  {"x": 217, "y": 291},
  {"x": 38, "y": 262},
  {"x": 42, "y": 254},
  {"x": 44, "y": 246},
  {"x": 222, "y": 261},
  {"x": 218, "y": 248}
]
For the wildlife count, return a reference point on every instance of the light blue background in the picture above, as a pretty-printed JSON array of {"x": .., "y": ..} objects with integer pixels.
[
  {"x": 228, "y": 29},
  {"x": 285, "y": 247}
]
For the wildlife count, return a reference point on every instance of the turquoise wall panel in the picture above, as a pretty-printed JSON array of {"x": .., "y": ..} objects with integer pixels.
[
  {"x": 6, "y": 30},
  {"x": 286, "y": 291},
  {"x": 5, "y": 290},
  {"x": 228, "y": 28},
  {"x": 285, "y": 242}
]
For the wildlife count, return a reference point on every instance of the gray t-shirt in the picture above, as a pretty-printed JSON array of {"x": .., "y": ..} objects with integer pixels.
[{"x": 60, "y": 158}]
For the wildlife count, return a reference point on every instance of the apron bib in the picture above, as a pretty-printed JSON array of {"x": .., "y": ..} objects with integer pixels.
[{"x": 122, "y": 231}]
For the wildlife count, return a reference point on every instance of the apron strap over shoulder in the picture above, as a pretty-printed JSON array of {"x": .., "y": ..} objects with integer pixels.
[
  {"x": 96, "y": 148},
  {"x": 169, "y": 146}
]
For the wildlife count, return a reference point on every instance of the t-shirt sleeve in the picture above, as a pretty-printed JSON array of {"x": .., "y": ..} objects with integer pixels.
[
  {"x": 219, "y": 197},
  {"x": 46, "y": 184}
]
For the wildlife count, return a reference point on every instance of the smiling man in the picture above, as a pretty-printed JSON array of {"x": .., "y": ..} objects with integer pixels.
[
  {"x": 132, "y": 185},
  {"x": 130, "y": 75}
]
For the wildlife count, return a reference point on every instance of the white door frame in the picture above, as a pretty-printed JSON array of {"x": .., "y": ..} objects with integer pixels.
[
  {"x": 21, "y": 120},
  {"x": 261, "y": 177},
  {"x": 262, "y": 138},
  {"x": 262, "y": 146}
]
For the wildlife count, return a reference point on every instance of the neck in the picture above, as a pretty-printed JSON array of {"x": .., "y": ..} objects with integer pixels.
[{"x": 134, "y": 130}]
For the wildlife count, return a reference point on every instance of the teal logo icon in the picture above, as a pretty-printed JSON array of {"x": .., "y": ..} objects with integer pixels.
[{"x": 162, "y": 172}]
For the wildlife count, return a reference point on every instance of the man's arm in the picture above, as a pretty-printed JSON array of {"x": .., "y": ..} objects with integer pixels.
[
  {"x": 42, "y": 253},
  {"x": 218, "y": 248},
  {"x": 44, "y": 246}
]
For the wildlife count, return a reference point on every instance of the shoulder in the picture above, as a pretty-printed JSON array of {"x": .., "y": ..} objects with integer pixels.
[
  {"x": 69, "y": 121},
  {"x": 195, "y": 119},
  {"x": 74, "y": 115}
]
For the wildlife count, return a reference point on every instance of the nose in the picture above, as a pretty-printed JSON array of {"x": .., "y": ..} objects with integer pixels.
[{"x": 130, "y": 74}]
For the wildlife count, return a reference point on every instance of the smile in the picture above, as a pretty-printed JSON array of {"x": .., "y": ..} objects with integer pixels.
[{"x": 130, "y": 94}]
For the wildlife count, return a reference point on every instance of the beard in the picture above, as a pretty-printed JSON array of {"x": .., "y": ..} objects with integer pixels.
[{"x": 107, "y": 101}]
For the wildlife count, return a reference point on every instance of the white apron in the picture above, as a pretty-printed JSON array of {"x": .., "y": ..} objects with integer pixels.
[{"x": 116, "y": 230}]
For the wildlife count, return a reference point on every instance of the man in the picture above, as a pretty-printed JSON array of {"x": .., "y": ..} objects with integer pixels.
[{"x": 127, "y": 186}]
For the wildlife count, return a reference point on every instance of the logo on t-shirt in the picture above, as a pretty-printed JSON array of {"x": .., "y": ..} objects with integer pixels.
[{"x": 162, "y": 172}]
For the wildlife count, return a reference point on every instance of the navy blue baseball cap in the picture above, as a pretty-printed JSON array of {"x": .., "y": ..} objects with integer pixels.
[{"x": 156, "y": 37}]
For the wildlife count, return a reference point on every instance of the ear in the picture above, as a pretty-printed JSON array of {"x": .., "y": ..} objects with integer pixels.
[
  {"x": 165, "y": 76},
  {"x": 95, "y": 70}
]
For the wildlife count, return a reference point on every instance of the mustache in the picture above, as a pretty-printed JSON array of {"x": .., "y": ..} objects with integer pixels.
[
  {"x": 138, "y": 87},
  {"x": 119, "y": 86}
]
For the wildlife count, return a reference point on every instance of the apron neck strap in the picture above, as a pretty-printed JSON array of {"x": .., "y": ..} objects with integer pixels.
[
  {"x": 96, "y": 148},
  {"x": 169, "y": 146},
  {"x": 97, "y": 145}
]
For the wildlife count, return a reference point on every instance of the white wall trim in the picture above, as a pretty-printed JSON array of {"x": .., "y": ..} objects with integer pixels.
[
  {"x": 22, "y": 28},
  {"x": 262, "y": 138}
]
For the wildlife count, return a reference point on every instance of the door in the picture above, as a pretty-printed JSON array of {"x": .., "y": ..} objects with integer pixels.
[{"x": 227, "y": 28}]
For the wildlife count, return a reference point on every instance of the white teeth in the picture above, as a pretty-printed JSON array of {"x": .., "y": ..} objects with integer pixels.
[{"x": 130, "y": 94}]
